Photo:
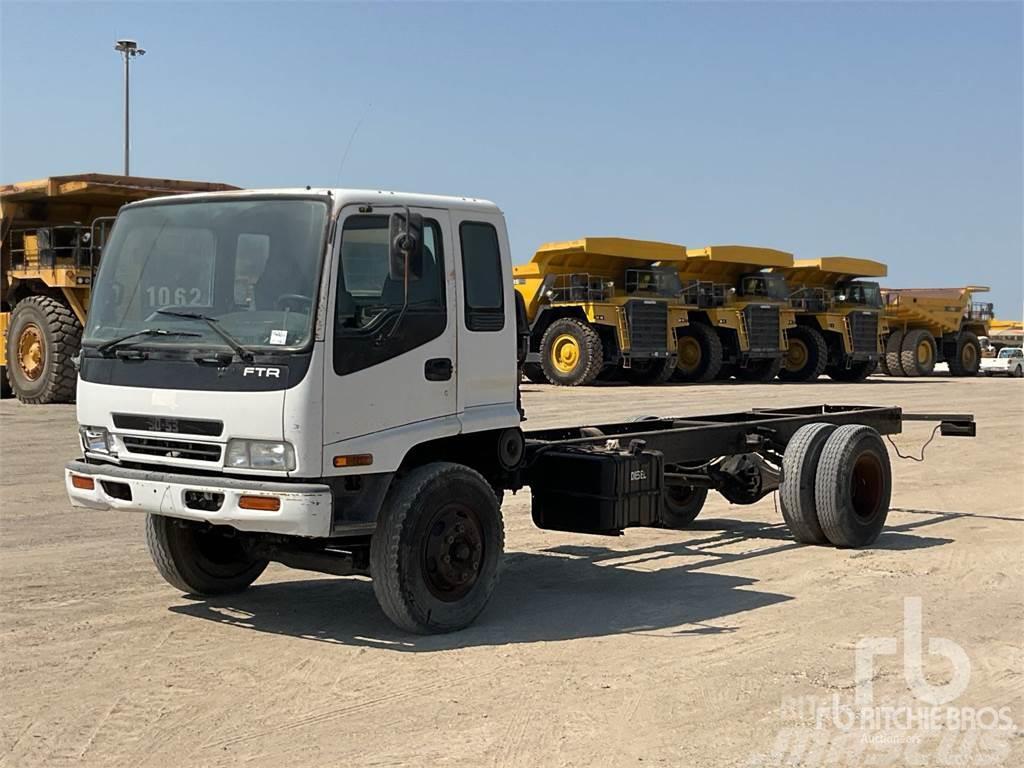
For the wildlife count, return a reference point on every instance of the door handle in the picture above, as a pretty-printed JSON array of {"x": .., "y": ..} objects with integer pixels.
[{"x": 438, "y": 369}]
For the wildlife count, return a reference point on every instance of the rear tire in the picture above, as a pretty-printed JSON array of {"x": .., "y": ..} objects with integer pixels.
[
  {"x": 699, "y": 353},
  {"x": 760, "y": 371},
  {"x": 43, "y": 336},
  {"x": 534, "y": 373},
  {"x": 198, "y": 560},
  {"x": 918, "y": 353},
  {"x": 893, "y": 349},
  {"x": 853, "y": 486},
  {"x": 681, "y": 504},
  {"x": 649, "y": 372},
  {"x": 807, "y": 356},
  {"x": 435, "y": 556},
  {"x": 571, "y": 353},
  {"x": 796, "y": 488},
  {"x": 966, "y": 361}
]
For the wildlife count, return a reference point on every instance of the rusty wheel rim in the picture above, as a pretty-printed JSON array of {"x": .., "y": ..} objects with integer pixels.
[{"x": 31, "y": 351}]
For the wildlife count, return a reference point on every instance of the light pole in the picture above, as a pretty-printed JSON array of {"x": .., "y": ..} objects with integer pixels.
[{"x": 129, "y": 49}]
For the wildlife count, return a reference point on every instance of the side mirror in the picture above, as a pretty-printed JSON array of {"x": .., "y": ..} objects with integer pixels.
[{"x": 405, "y": 238}]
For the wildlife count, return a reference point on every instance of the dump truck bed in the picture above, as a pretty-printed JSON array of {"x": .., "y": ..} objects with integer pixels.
[
  {"x": 940, "y": 310},
  {"x": 725, "y": 263},
  {"x": 829, "y": 271}
]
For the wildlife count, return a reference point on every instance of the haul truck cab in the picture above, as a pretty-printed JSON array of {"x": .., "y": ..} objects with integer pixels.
[
  {"x": 598, "y": 308},
  {"x": 840, "y": 325},
  {"x": 330, "y": 382},
  {"x": 739, "y": 313}
]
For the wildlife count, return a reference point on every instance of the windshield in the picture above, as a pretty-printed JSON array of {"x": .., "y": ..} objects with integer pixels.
[
  {"x": 764, "y": 284},
  {"x": 1010, "y": 353},
  {"x": 657, "y": 281},
  {"x": 251, "y": 265},
  {"x": 859, "y": 293}
]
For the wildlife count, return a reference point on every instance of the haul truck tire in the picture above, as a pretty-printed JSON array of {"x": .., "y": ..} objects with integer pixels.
[
  {"x": 435, "y": 554},
  {"x": 534, "y": 373},
  {"x": 199, "y": 560},
  {"x": 858, "y": 371},
  {"x": 796, "y": 487},
  {"x": 681, "y": 504},
  {"x": 893, "y": 350},
  {"x": 42, "y": 338},
  {"x": 647, "y": 372},
  {"x": 967, "y": 359},
  {"x": 571, "y": 353},
  {"x": 807, "y": 356},
  {"x": 918, "y": 353},
  {"x": 760, "y": 371},
  {"x": 852, "y": 486},
  {"x": 699, "y": 357}
]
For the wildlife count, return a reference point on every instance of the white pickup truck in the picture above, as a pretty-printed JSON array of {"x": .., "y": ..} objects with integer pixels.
[{"x": 1010, "y": 361}]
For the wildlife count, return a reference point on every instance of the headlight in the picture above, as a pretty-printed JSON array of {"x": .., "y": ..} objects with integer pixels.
[
  {"x": 95, "y": 439},
  {"x": 260, "y": 454}
]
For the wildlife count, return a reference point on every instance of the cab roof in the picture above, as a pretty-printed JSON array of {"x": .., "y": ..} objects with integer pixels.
[{"x": 341, "y": 197}]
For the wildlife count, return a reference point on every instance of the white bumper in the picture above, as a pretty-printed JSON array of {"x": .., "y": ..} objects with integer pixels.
[{"x": 305, "y": 509}]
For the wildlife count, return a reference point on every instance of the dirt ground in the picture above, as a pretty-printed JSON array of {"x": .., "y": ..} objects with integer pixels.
[{"x": 657, "y": 647}]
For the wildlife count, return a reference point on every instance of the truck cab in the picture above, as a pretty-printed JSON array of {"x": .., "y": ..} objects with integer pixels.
[{"x": 268, "y": 361}]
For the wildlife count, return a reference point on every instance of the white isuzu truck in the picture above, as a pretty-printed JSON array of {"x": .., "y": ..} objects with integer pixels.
[{"x": 329, "y": 379}]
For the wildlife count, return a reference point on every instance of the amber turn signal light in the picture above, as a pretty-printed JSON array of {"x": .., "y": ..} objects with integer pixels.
[
  {"x": 354, "y": 460},
  {"x": 83, "y": 482},
  {"x": 260, "y": 503}
]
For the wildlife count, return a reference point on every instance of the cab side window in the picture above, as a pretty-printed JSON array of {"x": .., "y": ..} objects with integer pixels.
[
  {"x": 481, "y": 270},
  {"x": 369, "y": 326}
]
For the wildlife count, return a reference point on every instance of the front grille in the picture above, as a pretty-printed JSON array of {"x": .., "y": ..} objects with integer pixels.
[
  {"x": 142, "y": 423},
  {"x": 172, "y": 449},
  {"x": 762, "y": 322},
  {"x": 864, "y": 331},
  {"x": 648, "y": 328}
]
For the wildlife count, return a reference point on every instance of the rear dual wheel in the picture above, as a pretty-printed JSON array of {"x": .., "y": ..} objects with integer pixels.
[
  {"x": 836, "y": 485},
  {"x": 918, "y": 353}
]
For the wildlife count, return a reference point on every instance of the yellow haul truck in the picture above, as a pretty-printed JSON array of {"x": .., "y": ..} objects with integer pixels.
[
  {"x": 51, "y": 234},
  {"x": 738, "y": 313},
  {"x": 840, "y": 327},
  {"x": 598, "y": 307},
  {"x": 934, "y": 325}
]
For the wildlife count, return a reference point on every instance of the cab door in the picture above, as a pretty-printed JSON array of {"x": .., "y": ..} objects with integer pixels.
[{"x": 388, "y": 370}]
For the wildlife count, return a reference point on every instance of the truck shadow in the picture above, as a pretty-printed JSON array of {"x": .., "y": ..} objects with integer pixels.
[{"x": 560, "y": 593}]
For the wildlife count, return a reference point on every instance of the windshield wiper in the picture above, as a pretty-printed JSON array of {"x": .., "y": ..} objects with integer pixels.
[
  {"x": 246, "y": 355},
  {"x": 109, "y": 345}
]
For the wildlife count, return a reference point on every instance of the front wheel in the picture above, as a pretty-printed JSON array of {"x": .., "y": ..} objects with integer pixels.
[
  {"x": 571, "y": 353},
  {"x": 200, "y": 560},
  {"x": 806, "y": 356},
  {"x": 435, "y": 555},
  {"x": 966, "y": 360}
]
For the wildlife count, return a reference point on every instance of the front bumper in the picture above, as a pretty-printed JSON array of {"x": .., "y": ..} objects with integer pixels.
[{"x": 305, "y": 509}]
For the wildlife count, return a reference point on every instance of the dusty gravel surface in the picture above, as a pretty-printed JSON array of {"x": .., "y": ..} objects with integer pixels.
[{"x": 657, "y": 647}]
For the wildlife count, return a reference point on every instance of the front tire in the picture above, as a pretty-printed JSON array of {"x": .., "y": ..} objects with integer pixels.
[
  {"x": 200, "y": 560},
  {"x": 699, "y": 353},
  {"x": 44, "y": 335},
  {"x": 435, "y": 555},
  {"x": 806, "y": 357},
  {"x": 571, "y": 353}
]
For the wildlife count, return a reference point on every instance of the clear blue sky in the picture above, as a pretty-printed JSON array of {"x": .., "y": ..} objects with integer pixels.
[{"x": 883, "y": 130}]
